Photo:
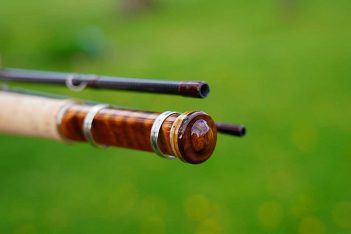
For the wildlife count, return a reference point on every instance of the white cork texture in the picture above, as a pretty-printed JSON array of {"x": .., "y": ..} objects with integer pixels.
[{"x": 28, "y": 115}]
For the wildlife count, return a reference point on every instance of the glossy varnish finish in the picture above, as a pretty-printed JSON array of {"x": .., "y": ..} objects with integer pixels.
[
  {"x": 194, "y": 138},
  {"x": 131, "y": 129}
]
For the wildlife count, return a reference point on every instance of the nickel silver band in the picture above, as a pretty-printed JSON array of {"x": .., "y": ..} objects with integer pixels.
[
  {"x": 177, "y": 122},
  {"x": 155, "y": 130},
  {"x": 88, "y": 122}
]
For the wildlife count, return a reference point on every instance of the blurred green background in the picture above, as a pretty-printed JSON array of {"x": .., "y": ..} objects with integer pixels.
[{"x": 280, "y": 67}]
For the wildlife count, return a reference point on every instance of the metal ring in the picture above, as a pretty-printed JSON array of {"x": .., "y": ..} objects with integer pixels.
[
  {"x": 88, "y": 122},
  {"x": 155, "y": 130},
  {"x": 174, "y": 129},
  {"x": 59, "y": 117},
  {"x": 73, "y": 87}
]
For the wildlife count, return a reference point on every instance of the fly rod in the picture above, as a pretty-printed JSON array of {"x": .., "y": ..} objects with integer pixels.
[
  {"x": 77, "y": 82},
  {"x": 189, "y": 136}
]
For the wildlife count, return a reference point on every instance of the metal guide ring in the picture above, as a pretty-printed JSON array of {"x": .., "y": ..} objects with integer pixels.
[
  {"x": 73, "y": 87},
  {"x": 88, "y": 122},
  {"x": 59, "y": 117},
  {"x": 155, "y": 130}
]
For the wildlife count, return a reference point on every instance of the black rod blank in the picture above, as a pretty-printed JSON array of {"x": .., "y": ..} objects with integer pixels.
[
  {"x": 231, "y": 129},
  {"x": 197, "y": 89}
]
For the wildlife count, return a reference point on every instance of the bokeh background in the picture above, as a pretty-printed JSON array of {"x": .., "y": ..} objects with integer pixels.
[{"x": 281, "y": 67}]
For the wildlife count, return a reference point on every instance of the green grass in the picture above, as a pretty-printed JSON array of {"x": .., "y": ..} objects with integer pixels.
[{"x": 284, "y": 73}]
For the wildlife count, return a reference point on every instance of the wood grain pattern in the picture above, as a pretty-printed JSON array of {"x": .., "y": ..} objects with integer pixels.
[{"x": 131, "y": 129}]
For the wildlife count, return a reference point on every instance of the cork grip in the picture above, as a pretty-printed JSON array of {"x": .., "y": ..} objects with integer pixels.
[{"x": 29, "y": 115}]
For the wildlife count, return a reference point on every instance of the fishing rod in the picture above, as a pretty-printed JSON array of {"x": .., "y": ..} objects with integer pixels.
[
  {"x": 78, "y": 82},
  {"x": 189, "y": 136}
]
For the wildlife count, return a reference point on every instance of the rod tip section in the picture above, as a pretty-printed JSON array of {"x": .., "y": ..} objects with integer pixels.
[
  {"x": 231, "y": 129},
  {"x": 194, "y": 138},
  {"x": 194, "y": 89}
]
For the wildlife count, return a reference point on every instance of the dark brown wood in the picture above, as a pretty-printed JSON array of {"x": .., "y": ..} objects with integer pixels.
[
  {"x": 194, "y": 89},
  {"x": 196, "y": 138}
]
